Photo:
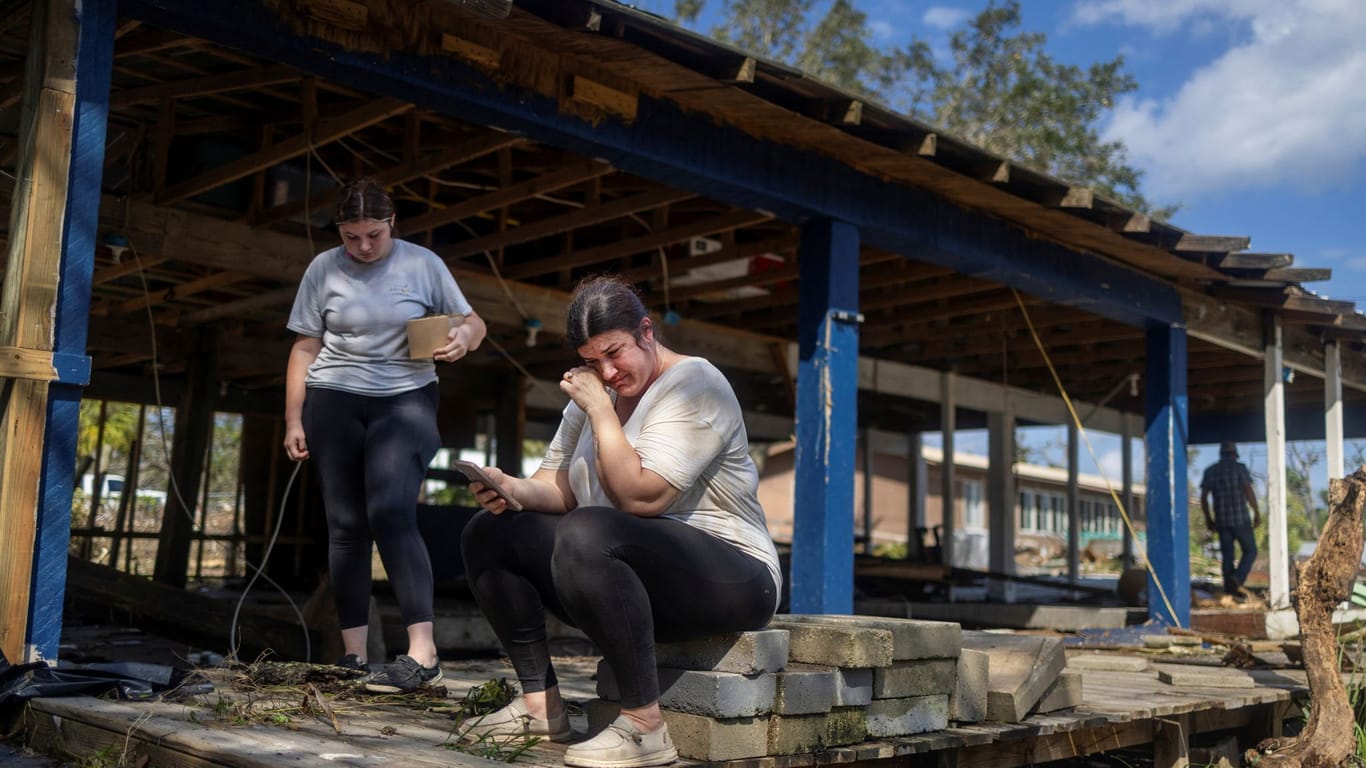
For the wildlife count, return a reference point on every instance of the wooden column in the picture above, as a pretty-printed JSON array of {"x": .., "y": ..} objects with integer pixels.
[
  {"x": 1001, "y": 501},
  {"x": 509, "y": 423},
  {"x": 1073, "y": 504},
  {"x": 1168, "y": 498},
  {"x": 948, "y": 426},
  {"x": 1277, "y": 545},
  {"x": 193, "y": 430},
  {"x": 34, "y": 511},
  {"x": 1126, "y": 494},
  {"x": 822, "y": 574},
  {"x": 866, "y": 437},
  {"x": 1332, "y": 409},
  {"x": 915, "y": 494}
]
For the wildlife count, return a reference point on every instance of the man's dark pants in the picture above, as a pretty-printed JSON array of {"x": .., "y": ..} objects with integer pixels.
[{"x": 1235, "y": 577}]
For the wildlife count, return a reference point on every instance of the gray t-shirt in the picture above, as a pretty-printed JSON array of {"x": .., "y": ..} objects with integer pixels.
[
  {"x": 688, "y": 429},
  {"x": 361, "y": 312}
]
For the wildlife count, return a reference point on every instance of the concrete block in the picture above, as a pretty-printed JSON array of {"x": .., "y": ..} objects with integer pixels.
[
  {"x": 804, "y": 690},
  {"x": 835, "y": 645},
  {"x": 968, "y": 702},
  {"x": 1204, "y": 677},
  {"x": 796, "y": 734},
  {"x": 800, "y": 734},
  {"x": 706, "y": 738},
  {"x": 714, "y": 694},
  {"x": 853, "y": 687},
  {"x": 744, "y": 653},
  {"x": 1021, "y": 669},
  {"x": 846, "y": 725},
  {"x": 1102, "y": 661},
  {"x": 1064, "y": 693},
  {"x": 920, "y": 677},
  {"x": 911, "y": 638},
  {"x": 903, "y": 717}
]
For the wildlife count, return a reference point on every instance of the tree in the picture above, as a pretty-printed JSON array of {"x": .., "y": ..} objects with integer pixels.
[{"x": 1001, "y": 90}]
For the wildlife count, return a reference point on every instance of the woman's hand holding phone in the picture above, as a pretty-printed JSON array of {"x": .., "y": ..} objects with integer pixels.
[{"x": 487, "y": 486}]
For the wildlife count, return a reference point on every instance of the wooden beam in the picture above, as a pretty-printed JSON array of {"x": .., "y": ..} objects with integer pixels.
[
  {"x": 1299, "y": 274},
  {"x": 585, "y": 91},
  {"x": 702, "y": 228},
  {"x": 329, "y": 130},
  {"x": 431, "y": 163},
  {"x": 1190, "y": 243},
  {"x": 31, "y": 364},
  {"x": 175, "y": 292},
  {"x": 561, "y": 178},
  {"x": 194, "y": 87},
  {"x": 29, "y": 298},
  {"x": 565, "y": 222},
  {"x": 1255, "y": 261}
]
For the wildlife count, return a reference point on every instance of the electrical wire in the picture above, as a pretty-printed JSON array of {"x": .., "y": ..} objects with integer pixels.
[
  {"x": 233, "y": 643},
  {"x": 1081, "y": 430}
]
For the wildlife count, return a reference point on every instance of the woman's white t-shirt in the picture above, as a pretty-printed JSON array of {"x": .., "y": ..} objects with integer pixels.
[{"x": 688, "y": 429}]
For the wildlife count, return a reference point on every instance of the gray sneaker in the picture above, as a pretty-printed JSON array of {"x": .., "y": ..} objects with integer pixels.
[
  {"x": 623, "y": 745},
  {"x": 404, "y": 675},
  {"x": 515, "y": 720}
]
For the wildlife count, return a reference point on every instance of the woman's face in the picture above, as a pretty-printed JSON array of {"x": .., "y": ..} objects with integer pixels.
[
  {"x": 368, "y": 240},
  {"x": 625, "y": 365}
]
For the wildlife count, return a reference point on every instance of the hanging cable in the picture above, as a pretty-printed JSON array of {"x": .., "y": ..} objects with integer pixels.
[{"x": 1081, "y": 430}]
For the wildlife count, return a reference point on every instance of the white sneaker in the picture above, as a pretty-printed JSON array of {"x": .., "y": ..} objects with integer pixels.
[
  {"x": 623, "y": 745},
  {"x": 515, "y": 720}
]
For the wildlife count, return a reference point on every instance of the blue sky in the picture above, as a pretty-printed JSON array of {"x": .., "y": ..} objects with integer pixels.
[{"x": 1250, "y": 114}]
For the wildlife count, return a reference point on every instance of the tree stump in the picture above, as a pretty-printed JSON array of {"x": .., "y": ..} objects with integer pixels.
[{"x": 1327, "y": 740}]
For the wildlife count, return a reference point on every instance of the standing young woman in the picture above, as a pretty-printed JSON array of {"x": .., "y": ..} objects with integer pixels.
[
  {"x": 643, "y": 523},
  {"x": 366, "y": 414}
]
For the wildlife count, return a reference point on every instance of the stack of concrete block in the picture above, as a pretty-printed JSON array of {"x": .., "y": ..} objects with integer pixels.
[{"x": 805, "y": 684}]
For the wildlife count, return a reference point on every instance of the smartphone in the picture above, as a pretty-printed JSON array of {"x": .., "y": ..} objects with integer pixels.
[{"x": 473, "y": 472}]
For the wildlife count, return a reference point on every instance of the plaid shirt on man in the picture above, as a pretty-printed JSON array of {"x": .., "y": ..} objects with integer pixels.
[{"x": 1226, "y": 480}]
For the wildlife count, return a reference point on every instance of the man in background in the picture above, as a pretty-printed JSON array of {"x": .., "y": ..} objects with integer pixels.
[{"x": 1229, "y": 484}]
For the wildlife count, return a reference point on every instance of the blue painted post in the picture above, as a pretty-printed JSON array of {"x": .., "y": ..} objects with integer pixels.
[
  {"x": 822, "y": 573},
  {"x": 1165, "y": 409},
  {"x": 94, "y": 62}
]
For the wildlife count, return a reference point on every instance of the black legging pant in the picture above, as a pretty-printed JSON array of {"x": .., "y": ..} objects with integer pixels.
[
  {"x": 371, "y": 454},
  {"x": 626, "y": 581}
]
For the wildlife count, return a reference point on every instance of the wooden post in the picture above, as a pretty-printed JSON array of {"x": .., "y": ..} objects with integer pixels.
[
  {"x": 867, "y": 440},
  {"x": 1171, "y": 742},
  {"x": 1277, "y": 545},
  {"x": 1168, "y": 501},
  {"x": 1001, "y": 502},
  {"x": 510, "y": 423},
  {"x": 1332, "y": 409},
  {"x": 948, "y": 425},
  {"x": 37, "y": 216},
  {"x": 1073, "y": 503},
  {"x": 193, "y": 429},
  {"x": 915, "y": 494},
  {"x": 822, "y": 573}
]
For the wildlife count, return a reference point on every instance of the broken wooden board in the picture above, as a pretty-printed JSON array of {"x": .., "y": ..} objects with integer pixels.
[{"x": 1022, "y": 668}]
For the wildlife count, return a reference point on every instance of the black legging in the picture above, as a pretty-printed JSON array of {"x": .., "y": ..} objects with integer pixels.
[
  {"x": 370, "y": 454},
  {"x": 626, "y": 581}
]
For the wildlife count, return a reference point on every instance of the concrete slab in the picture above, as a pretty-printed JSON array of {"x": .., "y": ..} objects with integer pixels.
[
  {"x": 1064, "y": 693},
  {"x": 968, "y": 702},
  {"x": 1022, "y": 667},
  {"x": 1104, "y": 661},
  {"x": 835, "y": 645},
  {"x": 911, "y": 638},
  {"x": 744, "y": 653},
  {"x": 804, "y": 690},
  {"x": 903, "y": 717},
  {"x": 706, "y": 738},
  {"x": 714, "y": 694},
  {"x": 1064, "y": 618},
  {"x": 919, "y": 677},
  {"x": 1204, "y": 677}
]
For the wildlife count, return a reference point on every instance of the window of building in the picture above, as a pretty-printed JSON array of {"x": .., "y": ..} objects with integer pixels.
[{"x": 974, "y": 511}]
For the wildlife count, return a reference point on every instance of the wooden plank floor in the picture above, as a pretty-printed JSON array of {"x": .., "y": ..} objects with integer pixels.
[{"x": 297, "y": 728}]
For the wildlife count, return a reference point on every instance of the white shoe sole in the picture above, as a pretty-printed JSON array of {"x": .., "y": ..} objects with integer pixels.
[{"x": 638, "y": 761}]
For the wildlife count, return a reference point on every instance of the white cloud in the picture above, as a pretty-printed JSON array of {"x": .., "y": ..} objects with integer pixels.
[
  {"x": 1283, "y": 105},
  {"x": 944, "y": 17},
  {"x": 1112, "y": 465},
  {"x": 882, "y": 30},
  {"x": 1356, "y": 263}
]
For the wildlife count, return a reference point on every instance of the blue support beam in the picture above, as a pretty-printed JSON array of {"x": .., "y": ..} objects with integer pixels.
[
  {"x": 94, "y": 63},
  {"x": 695, "y": 152},
  {"x": 822, "y": 574},
  {"x": 1164, "y": 389}
]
